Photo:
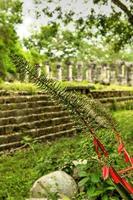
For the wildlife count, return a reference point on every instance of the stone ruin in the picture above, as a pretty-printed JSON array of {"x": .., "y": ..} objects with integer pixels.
[{"x": 120, "y": 73}]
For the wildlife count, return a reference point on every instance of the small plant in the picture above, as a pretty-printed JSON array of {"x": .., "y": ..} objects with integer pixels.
[
  {"x": 91, "y": 183},
  {"x": 28, "y": 141}
]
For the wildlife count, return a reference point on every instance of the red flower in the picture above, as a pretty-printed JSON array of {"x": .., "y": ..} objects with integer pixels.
[
  {"x": 105, "y": 172},
  {"x": 120, "y": 148},
  {"x": 127, "y": 186},
  {"x": 98, "y": 145},
  {"x": 127, "y": 157},
  {"x": 117, "y": 179}
]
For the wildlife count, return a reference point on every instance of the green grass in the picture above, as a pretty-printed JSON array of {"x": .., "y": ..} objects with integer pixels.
[
  {"x": 74, "y": 83},
  {"x": 125, "y": 121},
  {"x": 31, "y": 88},
  {"x": 97, "y": 86},
  {"x": 18, "y": 171},
  {"x": 18, "y": 86},
  {"x": 113, "y": 87}
]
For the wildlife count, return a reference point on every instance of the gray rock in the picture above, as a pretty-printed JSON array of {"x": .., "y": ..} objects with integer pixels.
[{"x": 53, "y": 183}]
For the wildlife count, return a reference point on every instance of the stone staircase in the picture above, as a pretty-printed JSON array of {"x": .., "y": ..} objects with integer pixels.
[
  {"x": 115, "y": 100},
  {"x": 112, "y": 99},
  {"x": 37, "y": 116},
  {"x": 104, "y": 96}
]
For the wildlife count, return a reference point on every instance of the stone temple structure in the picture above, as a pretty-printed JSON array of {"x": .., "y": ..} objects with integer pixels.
[{"x": 120, "y": 73}]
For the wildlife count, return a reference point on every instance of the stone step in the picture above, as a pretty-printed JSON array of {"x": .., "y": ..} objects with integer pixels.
[
  {"x": 32, "y": 117},
  {"x": 112, "y": 93},
  {"x": 25, "y": 98},
  {"x": 29, "y": 111},
  {"x": 6, "y": 129},
  {"x": 57, "y": 134},
  {"x": 48, "y": 130},
  {"x": 41, "y": 134},
  {"x": 22, "y": 105},
  {"x": 37, "y": 116},
  {"x": 20, "y": 93},
  {"x": 10, "y": 138},
  {"x": 112, "y": 99},
  {"x": 9, "y": 146}
]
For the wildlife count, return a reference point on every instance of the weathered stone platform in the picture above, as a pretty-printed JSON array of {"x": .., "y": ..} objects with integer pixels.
[
  {"x": 105, "y": 97},
  {"x": 37, "y": 116},
  {"x": 42, "y": 118}
]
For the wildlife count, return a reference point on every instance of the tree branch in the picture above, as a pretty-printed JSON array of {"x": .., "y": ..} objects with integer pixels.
[{"x": 124, "y": 8}]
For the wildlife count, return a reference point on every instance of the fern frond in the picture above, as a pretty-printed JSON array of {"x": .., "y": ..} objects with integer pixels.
[{"x": 89, "y": 112}]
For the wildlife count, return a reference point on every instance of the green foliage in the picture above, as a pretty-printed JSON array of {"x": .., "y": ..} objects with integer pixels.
[
  {"x": 18, "y": 87},
  {"x": 18, "y": 59},
  {"x": 97, "y": 86},
  {"x": 10, "y": 15},
  {"x": 20, "y": 169},
  {"x": 64, "y": 45},
  {"x": 126, "y": 105},
  {"x": 125, "y": 122},
  {"x": 88, "y": 35},
  {"x": 114, "y": 26},
  {"x": 86, "y": 111},
  {"x": 93, "y": 185}
]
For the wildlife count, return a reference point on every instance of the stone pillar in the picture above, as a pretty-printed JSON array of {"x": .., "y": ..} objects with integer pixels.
[
  {"x": 89, "y": 73},
  {"x": 108, "y": 75},
  {"x": 26, "y": 77},
  {"x": 70, "y": 73},
  {"x": 50, "y": 73},
  {"x": 48, "y": 70},
  {"x": 93, "y": 72},
  {"x": 104, "y": 73},
  {"x": 79, "y": 71},
  {"x": 59, "y": 72},
  {"x": 113, "y": 79},
  {"x": 98, "y": 74},
  {"x": 38, "y": 70},
  {"x": 130, "y": 74},
  {"x": 121, "y": 73},
  {"x": 17, "y": 76},
  {"x": 125, "y": 74}
]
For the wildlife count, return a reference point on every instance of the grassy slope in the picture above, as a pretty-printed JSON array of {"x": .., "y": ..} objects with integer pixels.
[
  {"x": 20, "y": 170},
  {"x": 97, "y": 86},
  {"x": 125, "y": 121},
  {"x": 17, "y": 86}
]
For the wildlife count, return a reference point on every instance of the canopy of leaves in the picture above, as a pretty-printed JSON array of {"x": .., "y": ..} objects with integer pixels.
[
  {"x": 53, "y": 43},
  {"x": 111, "y": 19},
  {"x": 10, "y": 15}
]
